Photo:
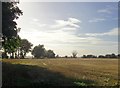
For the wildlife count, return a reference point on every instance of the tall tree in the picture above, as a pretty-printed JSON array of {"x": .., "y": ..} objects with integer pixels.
[
  {"x": 10, "y": 13},
  {"x": 39, "y": 51},
  {"x": 25, "y": 47}
]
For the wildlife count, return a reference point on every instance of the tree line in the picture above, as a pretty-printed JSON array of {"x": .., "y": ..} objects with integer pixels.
[
  {"x": 16, "y": 48},
  {"x": 92, "y": 56},
  {"x": 102, "y": 56},
  {"x": 25, "y": 47}
]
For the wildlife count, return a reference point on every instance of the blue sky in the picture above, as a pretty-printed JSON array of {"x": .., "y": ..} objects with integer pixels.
[{"x": 87, "y": 27}]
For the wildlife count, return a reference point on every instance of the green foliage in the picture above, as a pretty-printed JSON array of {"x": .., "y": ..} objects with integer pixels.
[
  {"x": 10, "y": 12},
  {"x": 25, "y": 46},
  {"x": 11, "y": 44},
  {"x": 50, "y": 54},
  {"x": 39, "y": 51}
]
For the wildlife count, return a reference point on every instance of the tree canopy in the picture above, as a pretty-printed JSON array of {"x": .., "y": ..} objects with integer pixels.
[
  {"x": 38, "y": 51},
  {"x": 25, "y": 47},
  {"x": 50, "y": 54},
  {"x": 10, "y": 13}
]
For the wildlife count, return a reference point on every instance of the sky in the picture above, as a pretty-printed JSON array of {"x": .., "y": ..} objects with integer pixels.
[{"x": 86, "y": 27}]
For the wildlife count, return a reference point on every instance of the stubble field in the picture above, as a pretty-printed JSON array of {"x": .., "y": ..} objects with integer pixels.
[{"x": 60, "y": 72}]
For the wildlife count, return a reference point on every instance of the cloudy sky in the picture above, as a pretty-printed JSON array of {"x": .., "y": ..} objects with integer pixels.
[{"x": 87, "y": 27}]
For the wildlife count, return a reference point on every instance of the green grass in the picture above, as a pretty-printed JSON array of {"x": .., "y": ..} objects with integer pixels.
[{"x": 60, "y": 72}]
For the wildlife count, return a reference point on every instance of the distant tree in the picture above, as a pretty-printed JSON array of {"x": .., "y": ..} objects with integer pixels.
[
  {"x": 110, "y": 55},
  {"x": 91, "y": 56},
  {"x": 118, "y": 55},
  {"x": 94, "y": 56},
  {"x": 25, "y": 47},
  {"x": 113, "y": 55},
  {"x": 39, "y": 51},
  {"x": 50, "y": 54},
  {"x": 66, "y": 56},
  {"x": 101, "y": 56},
  {"x": 84, "y": 56},
  {"x": 74, "y": 54}
]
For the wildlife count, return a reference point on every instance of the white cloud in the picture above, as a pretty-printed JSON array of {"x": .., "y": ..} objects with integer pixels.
[
  {"x": 61, "y": 37},
  {"x": 74, "y": 20},
  {"x": 35, "y": 20},
  {"x": 96, "y": 20},
  {"x": 71, "y": 22},
  {"x": 113, "y": 32},
  {"x": 67, "y": 25},
  {"x": 68, "y": 29}
]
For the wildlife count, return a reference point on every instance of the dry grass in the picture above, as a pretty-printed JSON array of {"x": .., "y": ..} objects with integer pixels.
[{"x": 97, "y": 71}]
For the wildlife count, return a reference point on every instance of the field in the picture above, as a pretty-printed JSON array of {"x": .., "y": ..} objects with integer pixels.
[{"x": 60, "y": 72}]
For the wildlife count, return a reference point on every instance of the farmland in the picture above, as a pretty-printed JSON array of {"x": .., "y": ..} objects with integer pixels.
[{"x": 60, "y": 72}]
